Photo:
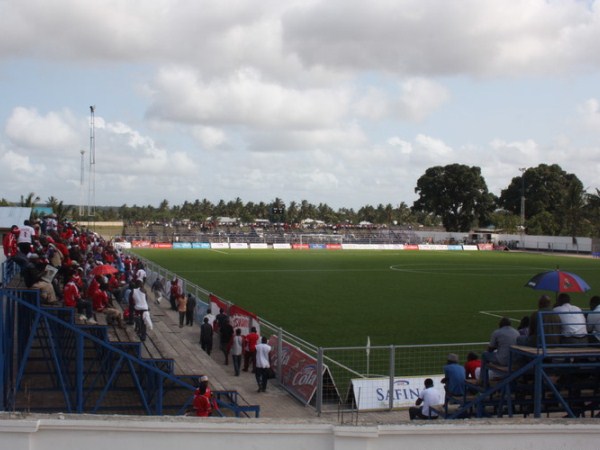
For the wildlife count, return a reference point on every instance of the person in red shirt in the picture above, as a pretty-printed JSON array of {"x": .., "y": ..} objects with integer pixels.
[
  {"x": 251, "y": 340},
  {"x": 204, "y": 403},
  {"x": 72, "y": 298},
  {"x": 100, "y": 299},
  {"x": 201, "y": 404},
  {"x": 9, "y": 242},
  {"x": 473, "y": 363},
  {"x": 93, "y": 287}
]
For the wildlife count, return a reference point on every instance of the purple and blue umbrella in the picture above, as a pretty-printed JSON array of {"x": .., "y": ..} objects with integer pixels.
[{"x": 558, "y": 281}]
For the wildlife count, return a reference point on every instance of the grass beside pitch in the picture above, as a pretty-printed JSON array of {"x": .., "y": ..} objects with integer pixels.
[{"x": 338, "y": 298}]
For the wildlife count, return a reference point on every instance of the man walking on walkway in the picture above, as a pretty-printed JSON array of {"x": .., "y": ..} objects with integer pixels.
[{"x": 262, "y": 364}]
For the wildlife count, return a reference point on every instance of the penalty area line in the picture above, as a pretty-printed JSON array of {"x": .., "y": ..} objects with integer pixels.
[
  {"x": 499, "y": 316},
  {"x": 219, "y": 251}
]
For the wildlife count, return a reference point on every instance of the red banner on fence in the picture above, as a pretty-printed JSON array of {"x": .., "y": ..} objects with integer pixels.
[
  {"x": 298, "y": 370},
  {"x": 240, "y": 318},
  {"x": 300, "y": 247},
  {"x": 411, "y": 247},
  {"x": 485, "y": 246},
  {"x": 141, "y": 244}
]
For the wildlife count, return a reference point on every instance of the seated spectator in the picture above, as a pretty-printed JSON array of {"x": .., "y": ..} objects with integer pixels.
[
  {"x": 593, "y": 320},
  {"x": 574, "y": 327},
  {"x": 500, "y": 341},
  {"x": 428, "y": 398},
  {"x": 454, "y": 376},
  {"x": 551, "y": 326},
  {"x": 473, "y": 366},
  {"x": 72, "y": 298},
  {"x": 523, "y": 327},
  {"x": 100, "y": 298},
  {"x": 114, "y": 317}
]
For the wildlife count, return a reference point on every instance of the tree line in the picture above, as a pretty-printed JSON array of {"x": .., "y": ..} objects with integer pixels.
[{"x": 542, "y": 200}]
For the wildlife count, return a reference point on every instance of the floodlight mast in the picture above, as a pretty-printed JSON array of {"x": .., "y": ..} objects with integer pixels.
[
  {"x": 523, "y": 170},
  {"x": 91, "y": 212},
  {"x": 81, "y": 186}
]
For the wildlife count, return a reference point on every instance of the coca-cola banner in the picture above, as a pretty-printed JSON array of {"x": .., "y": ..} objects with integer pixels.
[
  {"x": 298, "y": 370},
  {"x": 240, "y": 318}
]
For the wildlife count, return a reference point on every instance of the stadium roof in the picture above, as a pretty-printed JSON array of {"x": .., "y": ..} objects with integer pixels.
[{"x": 13, "y": 215}]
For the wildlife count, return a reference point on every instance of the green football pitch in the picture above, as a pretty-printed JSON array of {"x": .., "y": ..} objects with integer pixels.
[{"x": 338, "y": 298}]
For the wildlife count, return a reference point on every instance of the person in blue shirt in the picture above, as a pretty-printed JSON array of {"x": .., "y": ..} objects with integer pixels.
[{"x": 454, "y": 376}]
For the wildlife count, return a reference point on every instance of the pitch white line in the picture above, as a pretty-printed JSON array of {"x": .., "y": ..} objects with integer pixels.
[{"x": 219, "y": 251}]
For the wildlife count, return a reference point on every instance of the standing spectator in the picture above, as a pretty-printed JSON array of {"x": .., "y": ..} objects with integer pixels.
[
  {"x": 158, "y": 289},
  {"x": 454, "y": 376},
  {"x": 174, "y": 293},
  {"x": 428, "y": 398},
  {"x": 237, "y": 346},
  {"x": 225, "y": 337},
  {"x": 220, "y": 320},
  {"x": 211, "y": 318},
  {"x": 190, "y": 309},
  {"x": 206, "y": 336},
  {"x": 250, "y": 350},
  {"x": 262, "y": 364},
  {"x": 140, "y": 274},
  {"x": 181, "y": 308},
  {"x": 140, "y": 305},
  {"x": 500, "y": 341},
  {"x": 593, "y": 320},
  {"x": 9, "y": 242},
  {"x": 25, "y": 239},
  {"x": 574, "y": 327}
]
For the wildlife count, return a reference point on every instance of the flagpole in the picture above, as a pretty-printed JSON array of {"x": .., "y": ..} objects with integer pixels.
[{"x": 368, "y": 354}]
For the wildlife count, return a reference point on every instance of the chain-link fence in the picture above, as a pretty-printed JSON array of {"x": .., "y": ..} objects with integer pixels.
[{"x": 388, "y": 363}]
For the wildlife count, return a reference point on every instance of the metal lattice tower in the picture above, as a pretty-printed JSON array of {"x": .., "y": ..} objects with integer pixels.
[
  {"x": 92, "y": 172},
  {"x": 81, "y": 186}
]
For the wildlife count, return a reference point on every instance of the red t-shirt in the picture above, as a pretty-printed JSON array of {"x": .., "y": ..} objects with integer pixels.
[
  {"x": 470, "y": 367},
  {"x": 252, "y": 340},
  {"x": 202, "y": 405},
  {"x": 71, "y": 294}
]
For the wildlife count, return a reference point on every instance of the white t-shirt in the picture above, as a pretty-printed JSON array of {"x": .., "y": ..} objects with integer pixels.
[
  {"x": 572, "y": 324},
  {"x": 139, "y": 300},
  {"x": 262, "y": 356},
  {"x": 430, "y": 397},
  {"x": 26, "y": 234},
  {"x": 593, "y": 322}
]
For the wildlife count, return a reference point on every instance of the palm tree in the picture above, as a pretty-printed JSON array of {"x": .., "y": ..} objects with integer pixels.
[{"x": 30, "y": 200}]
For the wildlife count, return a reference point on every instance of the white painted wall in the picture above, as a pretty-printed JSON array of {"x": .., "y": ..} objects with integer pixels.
[{"x": 57, "y": 432}]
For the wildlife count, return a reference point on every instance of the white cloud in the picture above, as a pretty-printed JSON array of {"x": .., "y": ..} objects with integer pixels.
[
  {"x": 209, "y": 137},
  {"x": 54, "y": 131},
  {"x": 420, "y": 97},
  {"x": 243, "y": 98},
  {"x": 589, "y": 112},
  {"x": 417, "y": 37}
]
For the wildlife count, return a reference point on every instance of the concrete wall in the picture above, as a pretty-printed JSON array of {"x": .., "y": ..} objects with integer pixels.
[{"x": 59, "y": 432}]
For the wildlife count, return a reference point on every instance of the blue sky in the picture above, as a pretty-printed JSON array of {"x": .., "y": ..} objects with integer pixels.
[{"x": 342, "y": 102}]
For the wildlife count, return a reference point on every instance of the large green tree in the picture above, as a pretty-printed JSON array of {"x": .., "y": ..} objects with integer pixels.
[
  {"x": 550, "y": 193},
  {"x": 457, "y": 193}
]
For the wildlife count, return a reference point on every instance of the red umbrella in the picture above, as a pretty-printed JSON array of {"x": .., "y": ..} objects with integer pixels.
[{"x": 104, "y": 269}]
